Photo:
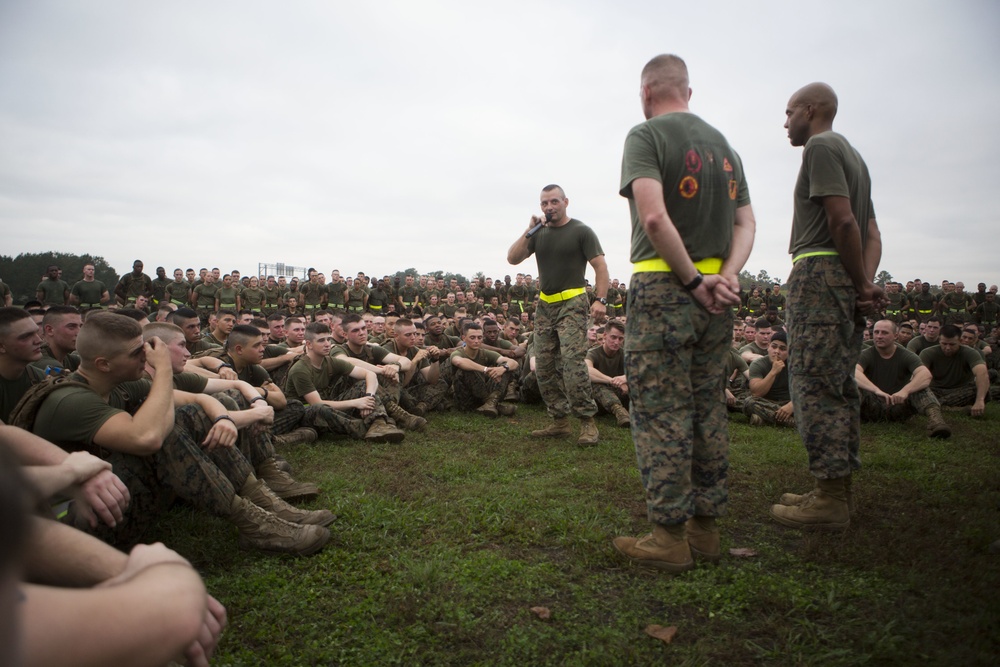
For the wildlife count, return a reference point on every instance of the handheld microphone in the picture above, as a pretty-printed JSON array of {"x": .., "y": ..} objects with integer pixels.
[{"x": 534, "y": 230}]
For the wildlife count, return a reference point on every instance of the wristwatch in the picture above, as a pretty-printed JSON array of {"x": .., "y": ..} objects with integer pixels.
[{"x": 603, "y": 301}]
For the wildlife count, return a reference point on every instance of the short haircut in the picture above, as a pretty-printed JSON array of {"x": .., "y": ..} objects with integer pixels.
[
  {"x": 133, "y": 314},
  {"x": 616, "y": 325},
  {"x": 351, "y": 319},
  {"x": 895, "y": 327},
  {"x": 105, "y": 334},
  {"x": 316, "y": 329},
  {"x": 293, "y": 320},
  {"x": 950, "y": 331},
  {"x": 933, "y": 318},
  {"x": 165, "y": 331},
  {"x": 402, "y": 323},
  {"x": 762, "y": 323},
  {"x": 906, "y": 325},
  {"x": 258, "y": 322},
  {"x": 226, "y": 311},
  {"x": 780, "y": 337},
  {"x": 55, "y": 312},
  {"x": 552, "y": 186},
  {"x": 242, "y": 334},
  {"x": 180, "y": 315},
  {"x": 9, "y": 315},
  {"x": 468, "y": 326},
  {"x": 274, "y": 317}
]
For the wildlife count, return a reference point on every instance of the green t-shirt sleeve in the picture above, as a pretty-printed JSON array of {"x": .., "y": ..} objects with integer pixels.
[
  {"x": 300, "y": 380},
  {"x": 72, "y": 417},
  {"x": 190, "y": 382},
  {"x": 760, "y": 368}
]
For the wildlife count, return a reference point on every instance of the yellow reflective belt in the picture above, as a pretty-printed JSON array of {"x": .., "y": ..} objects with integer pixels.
[
  {"x": 565, "y": 295},
  {"x": 818, "y": 253},
  {"x": 375, "y": 307},
  {"x": 311, "y": 306},
  {"x": 659, "y": 265},
  {"x": 227, "y": 305}
]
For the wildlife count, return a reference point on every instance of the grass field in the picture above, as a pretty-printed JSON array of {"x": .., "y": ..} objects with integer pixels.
[{"x": 445, "y": 542}]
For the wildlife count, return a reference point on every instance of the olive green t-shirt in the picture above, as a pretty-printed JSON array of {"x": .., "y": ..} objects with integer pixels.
[
  {"x": 89, "y": 293},
  {"x": 206, "y": 295},
  {"x": 226, "y": 297},
  {"x": 702, "y": 177},
  {"x": 562, "y": 254},
  {"x": 831, "y": 167},
  {"x": 11, "y": 391},
  {"x": 889, "y": 375},
  {"x": 53, "y": 292},
  {"x": 484, "y": 357},
  {"x": 612, "y": 366},
  {"x": 71, "y": 417},
  {"x": 954, "y": 371},
  {"x": 779, "y": 392},
  {"x": 304, "y": 378}
]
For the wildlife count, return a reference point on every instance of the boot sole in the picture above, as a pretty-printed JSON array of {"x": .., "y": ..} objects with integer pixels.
[
  {"x": 831, "y": 526},
  {"x": 713, "y": 558},
  {"x": 308, "y": 551},
  {"x": 309, "y": 495},
  {"x": 391, "y": 438},
  {"x": 673, "y": 568}
]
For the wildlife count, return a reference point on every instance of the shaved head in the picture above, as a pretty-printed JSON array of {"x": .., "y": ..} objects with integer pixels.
[{"x": 820, "y": 97}]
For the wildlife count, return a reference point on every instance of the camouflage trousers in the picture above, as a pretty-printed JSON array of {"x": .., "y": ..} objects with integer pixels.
[
  {"x": 608, "y": 398},
  {"x": 181, "y": 468},
  {"x": 958, "y": 397},
  {"x": 289, "y": 418},
  {"x": 255, "y": 441},
  {"x": 528, "y": 391},
  {"x": 766, "y": 409},
  {"x": 325, "y": 419},
  {"x": 674, "y": 351},
  {"x": 874, "y": 409},
  {"x": 824, "y": 343},
  {"x": 471, "y": 388},
  {"x": 433, "y": 394},
  {"x": 740, "y": 389},
  {"x": 560, "y": 349}
]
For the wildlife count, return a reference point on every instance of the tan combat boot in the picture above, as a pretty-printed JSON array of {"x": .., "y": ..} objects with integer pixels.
[
  {"x": 489, "y": 406},
  {"x": 282, "y": 483},
  {"x": 666, "y": 548},
  {"x": 792, "y": 499},
  {"x": 557, "y": 429},
  {"x": 506, "y": 409},
  {"x": 703, "y": 538},
  {"x": 382, "y": 431},
  {"x": 621, "y": 416},
  {"x": 588, "y": 432},
  {"x": 936, "y": 426},
  {"x": 300, "y": 436},
  {"x": 261, "y": 530},
  {"x": 825, "y": 509},
  {"x": 404, "y": 419},
  {"x": 257, "y": 492}
]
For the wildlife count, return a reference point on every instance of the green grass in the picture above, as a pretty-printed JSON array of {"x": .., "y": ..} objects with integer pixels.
[{"x": 444, "y": 542}]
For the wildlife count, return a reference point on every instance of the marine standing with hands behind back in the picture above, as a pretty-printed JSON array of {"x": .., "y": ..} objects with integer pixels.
[
  {"x": 692, "y": 231},
  {"x": 563, "y": 247},
  {"x": 836, "y": 248}
]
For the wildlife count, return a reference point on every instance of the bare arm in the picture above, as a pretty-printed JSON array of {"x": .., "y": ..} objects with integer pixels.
[
  {"x": 982, "y": 386},
  {"x": 519, "y": 251},
  {"x": 143, "y": 433}
]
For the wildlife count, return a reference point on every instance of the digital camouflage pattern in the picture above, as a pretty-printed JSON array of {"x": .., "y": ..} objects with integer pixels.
[
  {"x": 674, "y": 351},
  {"x": 825, "y": 331},
  {"x": 560, "y": 349}
]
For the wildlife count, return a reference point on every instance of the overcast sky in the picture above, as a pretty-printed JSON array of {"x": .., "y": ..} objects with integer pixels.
[{"x": 384, "y": 135}]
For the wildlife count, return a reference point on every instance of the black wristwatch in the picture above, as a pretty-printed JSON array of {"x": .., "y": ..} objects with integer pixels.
[{"x": 603, "y": 301}]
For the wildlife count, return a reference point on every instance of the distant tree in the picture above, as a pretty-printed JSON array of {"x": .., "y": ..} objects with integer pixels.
[
  {"x": 763, "y": 278},
  {"x": 24, "y": 272},
  {"x": 883, "y": 277}
]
